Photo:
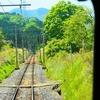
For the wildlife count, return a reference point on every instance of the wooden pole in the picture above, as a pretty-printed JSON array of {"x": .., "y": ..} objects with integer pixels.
[{"x": 16, "y": 48}]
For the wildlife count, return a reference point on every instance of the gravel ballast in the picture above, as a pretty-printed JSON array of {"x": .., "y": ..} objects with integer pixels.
[{"x": 40, "y": 92}]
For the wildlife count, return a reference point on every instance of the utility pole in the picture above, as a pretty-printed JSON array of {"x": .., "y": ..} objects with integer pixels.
[
  {"x": 28, "y": 45},
  {"x": 22, "y": 34},
  {"x": 71, "y": 52},
  {"x": 36, "y": 42},
  {"x": 43, "y": 48},
  {"x": 20, "y": 5},
  {"x": 23, "y": 46},
  {"x": 40, "y": 46},
  {"x": 16, "y": 47}
]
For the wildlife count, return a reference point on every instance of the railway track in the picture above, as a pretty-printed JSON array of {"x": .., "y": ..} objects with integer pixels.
[
  {"x": 28, "y": 84},
  {"x": 20, "y": 87},
  {"x": 25, "y": 79}
]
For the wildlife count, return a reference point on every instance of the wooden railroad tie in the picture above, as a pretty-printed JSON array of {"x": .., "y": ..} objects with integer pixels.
[{"x": 29, "y": 86}]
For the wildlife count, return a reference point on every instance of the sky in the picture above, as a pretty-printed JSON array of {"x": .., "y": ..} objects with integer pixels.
[{"x": 38, "y": 4}]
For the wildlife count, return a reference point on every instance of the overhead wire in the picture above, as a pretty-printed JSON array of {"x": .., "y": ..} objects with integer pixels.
[
  {"x": 11, "y": 2},
  {"x": 2, "y": 6}
]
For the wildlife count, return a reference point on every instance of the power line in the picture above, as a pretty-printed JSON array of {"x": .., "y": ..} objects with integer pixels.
[
  {"x": 2, "y": 7},
  {"x": 10, "y": 1},
  {"x": 22, "y": 32},
  {"x": 20, "y": 5}
]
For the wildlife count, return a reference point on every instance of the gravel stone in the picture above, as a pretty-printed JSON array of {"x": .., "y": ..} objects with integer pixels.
[
  {"x": 43, "y": 93},
  {"x": 40, "y": 93}
]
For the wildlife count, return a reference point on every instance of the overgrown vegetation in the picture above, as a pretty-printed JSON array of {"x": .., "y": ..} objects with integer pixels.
[
  {"x": 76, "y": 78},
  {"x": 66, "y": 23},
  {"x": 7, "y": 60},
  {"x": 69, "y": 49},
  {"x": 69, "y": 35},
  {"x": 26, "y": 29}
]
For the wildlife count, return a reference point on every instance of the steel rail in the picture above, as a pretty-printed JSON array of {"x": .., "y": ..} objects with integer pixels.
[
  {"x": 32, "y": 92},
  {"x": 16, "y": 90},
  {"x": 33, "y": 80}
]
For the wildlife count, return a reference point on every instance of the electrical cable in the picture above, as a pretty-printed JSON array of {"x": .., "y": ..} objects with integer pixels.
[
  {"x": 2, "y": 7},
  {"x": 10, "y": 2}
]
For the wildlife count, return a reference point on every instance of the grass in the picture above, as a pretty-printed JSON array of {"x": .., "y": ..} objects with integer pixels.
[
  {"x": 7, "y": 61},
  {"x": 76, "y": 77}
]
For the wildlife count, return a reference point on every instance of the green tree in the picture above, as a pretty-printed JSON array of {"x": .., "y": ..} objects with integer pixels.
[
  {"x": 66, "y": 23},
  {"x": 33, "y": 27},
  {"x": 77, "y": 29},
  {"x": 53, "y": 22},
  {"x": 29, "y": 26}
]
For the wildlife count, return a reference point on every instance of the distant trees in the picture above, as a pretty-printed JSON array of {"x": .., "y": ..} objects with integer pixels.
[
  {"x": 30, "y": 27},
  {"x": 32, "y": 30},
  {"x": 67, "y": 23},
  {"x": 33, "y": 25}
]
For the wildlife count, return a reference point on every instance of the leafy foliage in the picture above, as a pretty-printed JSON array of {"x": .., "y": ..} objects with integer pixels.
[
  {"x": 66, "y": 23},
  {"x": 54, "y": 46},
  {"x": 77, "y": 30},
  {"x": 54, "y": 20},
  {"x": 70, "y": 27},
  {"x": 30, "y": 27},
  {"x": 7, "y": 60}
]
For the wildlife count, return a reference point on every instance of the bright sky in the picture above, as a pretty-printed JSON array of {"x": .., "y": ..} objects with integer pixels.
[{"x": 38, "y": 3}]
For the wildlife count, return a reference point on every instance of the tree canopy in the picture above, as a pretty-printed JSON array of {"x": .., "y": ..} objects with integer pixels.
[
  {"x": 66, "y": 23},
  {"x": 53, "y": 22},
  {"x": 30, "y": 27}
]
